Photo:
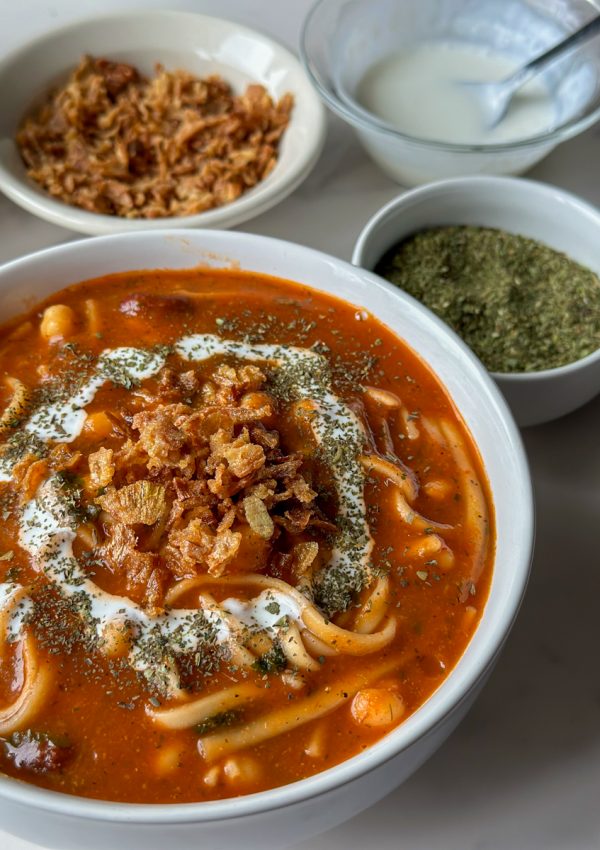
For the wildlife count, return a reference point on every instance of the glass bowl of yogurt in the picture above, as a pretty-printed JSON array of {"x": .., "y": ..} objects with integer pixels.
[{"x": 395, "y": 72}]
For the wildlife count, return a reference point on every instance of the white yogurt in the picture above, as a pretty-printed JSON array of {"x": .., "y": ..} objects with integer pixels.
[
  {"x": 63, "y": 421},
  {"x": 417, "y": 91},
  {"x": 265, "y": 612}
]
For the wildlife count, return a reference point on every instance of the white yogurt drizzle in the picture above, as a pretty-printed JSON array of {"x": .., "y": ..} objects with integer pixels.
[
  {"x": 47, "y": 529},
  {"x": 47, "y": 534},
  {"x": 63, "y": 420},
  {"x": 265, "y": 612}
]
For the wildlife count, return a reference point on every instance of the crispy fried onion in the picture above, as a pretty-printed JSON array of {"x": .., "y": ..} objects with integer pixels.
[
  {"x": 214, "y": 491},
  {"x": 141, "y": 502},
  {"x": 112, "y": 142}
]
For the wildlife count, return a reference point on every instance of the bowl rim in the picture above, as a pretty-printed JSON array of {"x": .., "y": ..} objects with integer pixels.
[
  {"x": 252, "y": 203},
  {"x": 423, "y": 722},
  {"x": 359, "y": 117},
  {"x": 393, "y": 209}
]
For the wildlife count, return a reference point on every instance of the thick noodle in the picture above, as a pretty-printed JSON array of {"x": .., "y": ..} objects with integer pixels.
[
  {"x": 401, "y": 476},
  {"x": 196, "y": 711},
  {"x": 341, "y": 640},
  {"x": 37, "y": 680},
  {"x": 295, "y": 651},
  {"x": 476, "y": 515},
  {"x": 371, "y": 614},
  {"x": 17, "y": 405},
  {"x": 292, "y": 716}
]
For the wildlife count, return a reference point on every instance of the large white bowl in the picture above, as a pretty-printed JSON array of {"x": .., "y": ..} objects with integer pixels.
[
  {"x": 552, "y": 216},
  {"x": 283, "y": 816},
  {"x": 197, "y": 43}
]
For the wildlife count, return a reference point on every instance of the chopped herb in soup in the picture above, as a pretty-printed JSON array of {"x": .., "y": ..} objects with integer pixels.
[{"x": 520, "y": 306}]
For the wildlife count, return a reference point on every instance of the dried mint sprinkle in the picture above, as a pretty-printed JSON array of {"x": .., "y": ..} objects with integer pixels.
[{"x": 520, "y": 305}]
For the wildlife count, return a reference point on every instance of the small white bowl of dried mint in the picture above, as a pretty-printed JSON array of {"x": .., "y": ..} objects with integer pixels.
[{"x": 513, "y": 267}]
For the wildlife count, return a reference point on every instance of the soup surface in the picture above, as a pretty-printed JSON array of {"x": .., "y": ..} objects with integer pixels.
[{"x": 245, "y": 534}]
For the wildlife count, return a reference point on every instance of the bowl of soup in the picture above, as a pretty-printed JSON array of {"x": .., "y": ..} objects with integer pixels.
[{"x": 267, "y": 524}]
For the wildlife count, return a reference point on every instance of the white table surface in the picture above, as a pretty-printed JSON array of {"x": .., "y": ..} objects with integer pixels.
[{"x": 523, "y": 770}]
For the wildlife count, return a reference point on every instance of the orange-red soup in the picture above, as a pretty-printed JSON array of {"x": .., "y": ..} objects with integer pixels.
[{"x": 302, "y": 536}]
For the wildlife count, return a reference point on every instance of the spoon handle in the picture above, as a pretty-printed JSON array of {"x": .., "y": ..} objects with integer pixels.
[{"x": 586, "y": 32}]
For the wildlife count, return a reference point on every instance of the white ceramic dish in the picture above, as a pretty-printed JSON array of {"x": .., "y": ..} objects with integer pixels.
[
  {"x": 343, "y": 38},
  {"x": 542, "y": 212},
  {"x": 289, "y": 814},
  {"x": 197, "y": 43}
]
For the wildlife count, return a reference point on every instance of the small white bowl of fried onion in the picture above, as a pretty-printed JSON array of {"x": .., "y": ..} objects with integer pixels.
[{"x": 140, "y": 120}]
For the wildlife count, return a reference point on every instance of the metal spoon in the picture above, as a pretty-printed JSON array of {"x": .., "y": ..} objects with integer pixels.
[{"x": 494, "y": 98}]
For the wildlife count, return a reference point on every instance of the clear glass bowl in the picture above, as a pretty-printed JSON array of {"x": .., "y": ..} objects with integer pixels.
[{"x": 341, "y": 39}]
